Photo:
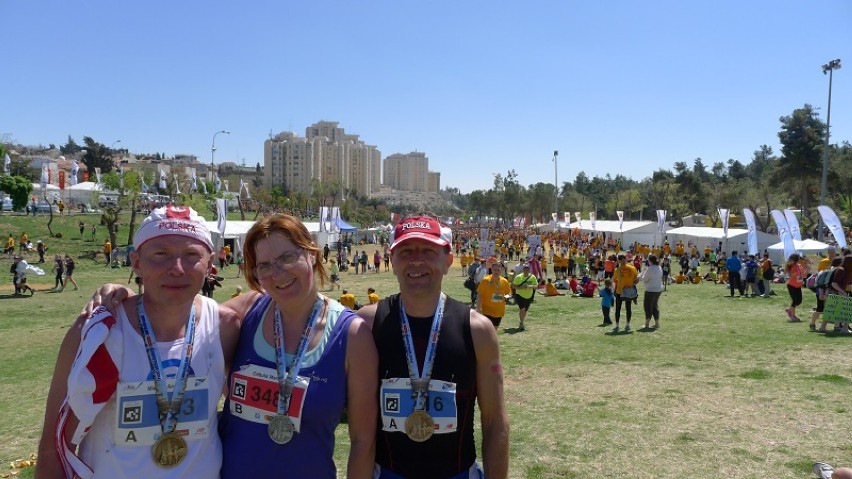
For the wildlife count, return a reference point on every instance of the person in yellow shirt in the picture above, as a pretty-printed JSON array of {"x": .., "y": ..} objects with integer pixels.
[
  {"x": 681, "y": 278},
  {"x": 625, "y": 290},
  {"x": 372, "y": 297},
  {"x": 464, "y": 260},
  {"x": 22, "y": 242},
  {"x": 491, "y": 293},
  {"x": 10, "y": 245},
  {"x": 348, "y": 299},
  {"x": 107, "y": 251}
]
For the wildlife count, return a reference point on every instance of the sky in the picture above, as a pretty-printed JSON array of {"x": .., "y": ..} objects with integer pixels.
[{"x": 482, "y": 87}]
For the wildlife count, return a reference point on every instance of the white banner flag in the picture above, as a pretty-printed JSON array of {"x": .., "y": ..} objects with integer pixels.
[
  {"x": 194, "y": 185},
  {"x": 98, "y": 175},
  {"x": 724, "y": 215},
  {"x": 162, "y": 184},
  {"x": 784, "y": 233},
  {"x": 620, "y": 215},
  {"x": 325, "y": 218},
  {"x": 793, "y": 224},
  {"x": 217, "y": 184},
  {"x": 7, "y": 164},
  {"x": 221, "y": 215},
  {"x": 177, "y": 187},
  {"x": 661, "y": 221},
  {"x": 245, "y": 185},
  {"x": 592, "y": 217},
  {"x": 579, "y": 218},
  {"x": 832, "y": 222},
  {"x": 45, "y": 177},
  {"x": 752, "y": 231},
  {"x": 75, "y": 168}
]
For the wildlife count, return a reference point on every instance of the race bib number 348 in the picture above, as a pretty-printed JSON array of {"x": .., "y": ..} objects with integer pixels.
[{"x": 254, "y": 395}]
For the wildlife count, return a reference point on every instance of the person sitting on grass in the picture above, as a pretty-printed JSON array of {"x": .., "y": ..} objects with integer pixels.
[
  {"x": 573, "y": 285},
  {"x": 550, "y": 289},
  {"x": 681, "y": 278}
]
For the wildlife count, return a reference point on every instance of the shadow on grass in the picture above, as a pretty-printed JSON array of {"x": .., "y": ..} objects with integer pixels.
[
  {"x": 513, "y": 330},
  {"x": 620, "y": 332},
  {"x": 15, "y": 296}
]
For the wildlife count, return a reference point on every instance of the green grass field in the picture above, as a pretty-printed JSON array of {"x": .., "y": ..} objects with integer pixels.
[{"x": 727, "y": 388}]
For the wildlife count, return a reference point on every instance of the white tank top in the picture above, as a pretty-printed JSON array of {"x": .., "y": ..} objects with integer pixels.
[{"x": 121, "y": 437}]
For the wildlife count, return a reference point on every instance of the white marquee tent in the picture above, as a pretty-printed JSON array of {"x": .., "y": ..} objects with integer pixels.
[
  {"x": 83, "y": 193},
  {"x": 644, "y": 232},
  {"x": 702, "y": 236},
  {"x": 236, "y": 230},
  {"x": 808, "y": 246}
]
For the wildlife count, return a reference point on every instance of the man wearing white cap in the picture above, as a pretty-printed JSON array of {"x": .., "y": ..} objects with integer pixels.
[
  {"x": 437, "y": 358},
  {"x": 141, "y": 387}
]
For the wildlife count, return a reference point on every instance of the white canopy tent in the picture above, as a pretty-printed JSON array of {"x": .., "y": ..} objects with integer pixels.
[
  {"x": 702, "y": 236},
  {"x": 84, "y": 192},
  {"x": 808, "y": 246},
  {"x": 236, "y": 231},
  {"x": 629, "y": 232}
]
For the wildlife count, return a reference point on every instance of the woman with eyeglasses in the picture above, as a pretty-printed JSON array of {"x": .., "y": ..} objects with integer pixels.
[{"x": 302, "y": 358}]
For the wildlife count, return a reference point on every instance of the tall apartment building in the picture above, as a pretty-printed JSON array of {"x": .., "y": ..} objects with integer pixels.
[
  {"x": 326, "y": 153},
  {"x": 410, "y": 172}
]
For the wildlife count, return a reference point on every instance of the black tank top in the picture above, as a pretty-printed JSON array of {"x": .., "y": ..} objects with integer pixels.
[{"x": 442, "y": 455}]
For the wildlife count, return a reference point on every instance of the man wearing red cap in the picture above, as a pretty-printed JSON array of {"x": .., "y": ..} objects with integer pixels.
[{"x": 437, "y": 359}]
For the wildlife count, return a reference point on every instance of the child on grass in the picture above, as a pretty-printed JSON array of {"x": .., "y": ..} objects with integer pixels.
[{"x": 607, "y": 300}]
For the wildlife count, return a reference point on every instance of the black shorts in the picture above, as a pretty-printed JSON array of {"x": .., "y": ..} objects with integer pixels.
[
  {"x": 494, "y": 320},
  {"x": 523, "y": 303}
]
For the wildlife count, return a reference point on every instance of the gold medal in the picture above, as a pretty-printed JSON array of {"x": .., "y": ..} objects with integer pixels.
[
  {"x": 419, "y": 426},
  {"x": 169, "y": 450},
  {"x": 281, "y": 429}
]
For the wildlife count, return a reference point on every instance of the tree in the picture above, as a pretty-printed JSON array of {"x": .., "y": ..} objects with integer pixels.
[
  {"x": 97, "y": 156},
  {"x": 18, "y": 188},
  {"x": 70, "y": 147},
  {"x": 800, "y": 166}
]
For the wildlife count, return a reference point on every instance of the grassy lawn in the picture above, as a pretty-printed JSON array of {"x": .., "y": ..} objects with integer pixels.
[{"x": 726, "y": 388}]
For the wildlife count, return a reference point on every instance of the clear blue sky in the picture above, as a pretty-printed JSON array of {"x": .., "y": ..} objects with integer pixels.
[{"x": 480, "y": 86}]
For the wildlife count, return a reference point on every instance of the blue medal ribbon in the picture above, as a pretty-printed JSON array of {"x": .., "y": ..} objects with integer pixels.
[
  {"x": 420, "y": 381},
  {"x": 286, "y": 377},
  {"x": 168, "y": 404}
]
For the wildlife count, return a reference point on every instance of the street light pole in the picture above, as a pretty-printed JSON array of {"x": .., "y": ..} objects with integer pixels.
[
  {"x": 213, "y": 150},
  {"x": 556, "y": 184},
  {"x": 827, "y": 68}
]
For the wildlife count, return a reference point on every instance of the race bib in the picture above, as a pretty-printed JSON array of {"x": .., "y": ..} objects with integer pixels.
[
  {"x": 497, "y": 298},
  {"x": 138, "y": 419},
  {"x": 397, "y": 404},
  {"x": 254, "y": 395}
]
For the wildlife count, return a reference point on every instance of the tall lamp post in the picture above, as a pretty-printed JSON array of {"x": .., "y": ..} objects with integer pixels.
[
  {"x": 213, "y": 150},
  {"x": 829, "y": 69},
  {"x": 556, "y": 185}
]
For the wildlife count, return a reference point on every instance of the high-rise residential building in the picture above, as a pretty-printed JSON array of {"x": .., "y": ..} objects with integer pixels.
[
  {"x": 410, "y": 172},
  {"x": 327, "y": 153}
]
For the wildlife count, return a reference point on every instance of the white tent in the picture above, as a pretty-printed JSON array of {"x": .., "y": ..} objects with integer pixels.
[
  {"x": 808, "y": 246},
  {"x": 86, "y": 192},
  {"x": 630, "y": 232},
  {"x": 702, "y": 236},
  {"x": 236, "y": 230}
]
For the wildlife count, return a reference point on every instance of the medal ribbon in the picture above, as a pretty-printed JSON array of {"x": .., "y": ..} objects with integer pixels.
[
  {"x": 167, "y": 404},
  {"x": 286, "y": 377},
  {"x": 420, "y": 381}
]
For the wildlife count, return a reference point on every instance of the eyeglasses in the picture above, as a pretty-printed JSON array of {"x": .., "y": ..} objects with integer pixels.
[{"x": 283, "y": 263}]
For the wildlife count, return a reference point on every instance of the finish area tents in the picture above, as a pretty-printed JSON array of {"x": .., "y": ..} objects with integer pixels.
[
  {"x": 629, "y": 232},
  {"x": 808, "y": 246},
  {"x": 702, "y": 236}
]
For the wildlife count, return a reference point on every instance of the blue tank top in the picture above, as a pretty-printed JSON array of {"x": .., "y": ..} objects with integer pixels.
[{"x": 247, "y": 449}]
